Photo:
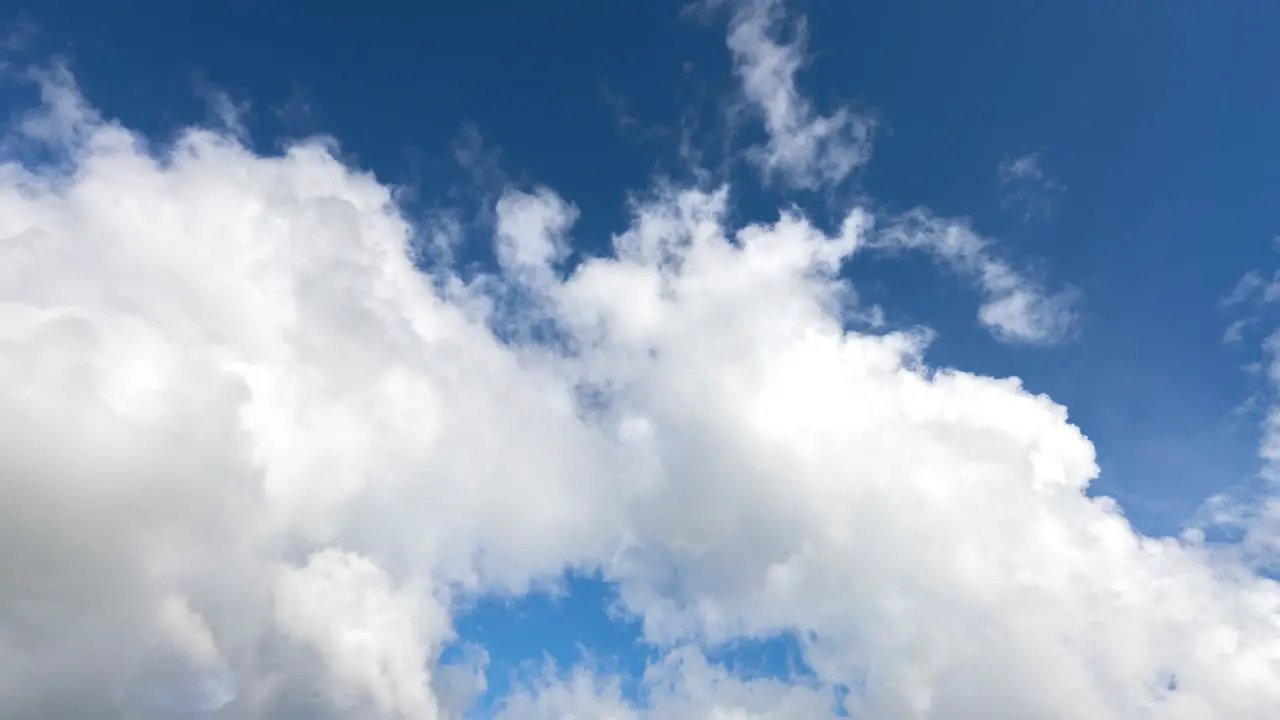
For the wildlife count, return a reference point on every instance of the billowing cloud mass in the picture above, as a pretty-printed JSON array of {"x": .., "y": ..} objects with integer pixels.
[{"x": 254, "y": 458}]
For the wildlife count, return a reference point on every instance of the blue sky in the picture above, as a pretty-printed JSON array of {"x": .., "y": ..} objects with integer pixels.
[{"x": 1121, "y": 154}]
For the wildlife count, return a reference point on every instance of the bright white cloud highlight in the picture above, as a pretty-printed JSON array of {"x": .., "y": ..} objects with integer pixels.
[
  {"x": 223, "y": 381},
  {"x": 244, "y": 431}
]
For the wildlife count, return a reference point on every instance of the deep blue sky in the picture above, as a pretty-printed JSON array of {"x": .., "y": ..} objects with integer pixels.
[{"x": 1155, "y": 119}]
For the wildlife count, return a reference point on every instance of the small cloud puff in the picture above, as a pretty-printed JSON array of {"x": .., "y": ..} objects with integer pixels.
[{"x": 1027, "y": 186}]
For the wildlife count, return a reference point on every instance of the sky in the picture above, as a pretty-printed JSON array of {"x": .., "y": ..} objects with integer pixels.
[{"x": 729, "y": 359}]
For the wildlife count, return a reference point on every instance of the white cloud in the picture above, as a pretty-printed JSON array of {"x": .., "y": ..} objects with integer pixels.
[
  {"x": 531, "y": 228},
  {"x": 214, "y": 364},
  {"x": 1027, "y": 185},
  {"x": 1235, "y": 331},
  {"x": 806, "y": 149},
  {"x": 241, "y": 426},
  {"x": 681, "y": 686},
  {"x": 1252, "y": 510},
  {"x": 1253, "y": 288},
  {"x": 1245, "y": 288},
  {"x": 1016, "y": 309},
  {"x": 369, "y": 632},
  {"x": 1022, "y": 167},
  {"x": 226, "y": 114}
]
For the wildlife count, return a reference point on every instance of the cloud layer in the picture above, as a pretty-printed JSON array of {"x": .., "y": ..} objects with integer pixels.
[{"x": 254, "y": 458}]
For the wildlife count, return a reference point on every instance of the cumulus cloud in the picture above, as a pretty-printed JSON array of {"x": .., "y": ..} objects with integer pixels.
[
  {"x": 254, "y": 459},
  {"x": 805, "y": 148},
  {"x": 225, "y": 382}
]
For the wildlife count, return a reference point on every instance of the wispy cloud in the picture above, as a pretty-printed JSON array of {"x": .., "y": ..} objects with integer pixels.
[
  {"x": 225, "y": 112},
  {"x": 1027, "y": 187},
  {"x": 16, "y": 38},
  {"x": 806, "y": 149},
  {"x": 625, "y": 117},
  {"x": 1253, "y": 510},
  {"x": 1235, "y": 331},
  {"x": 1016, "y": 309},
  {"x": 1022, "y": 168},
  {"x": 1250, "y": 291},
  {"x": 1245, "y": 289}
]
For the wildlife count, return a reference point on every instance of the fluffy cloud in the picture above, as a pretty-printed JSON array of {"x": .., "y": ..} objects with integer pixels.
[
  {"x": 225, "y": 383},
  {"x": 927, "y": 532},
  {"x": 254, "y": 457}
]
